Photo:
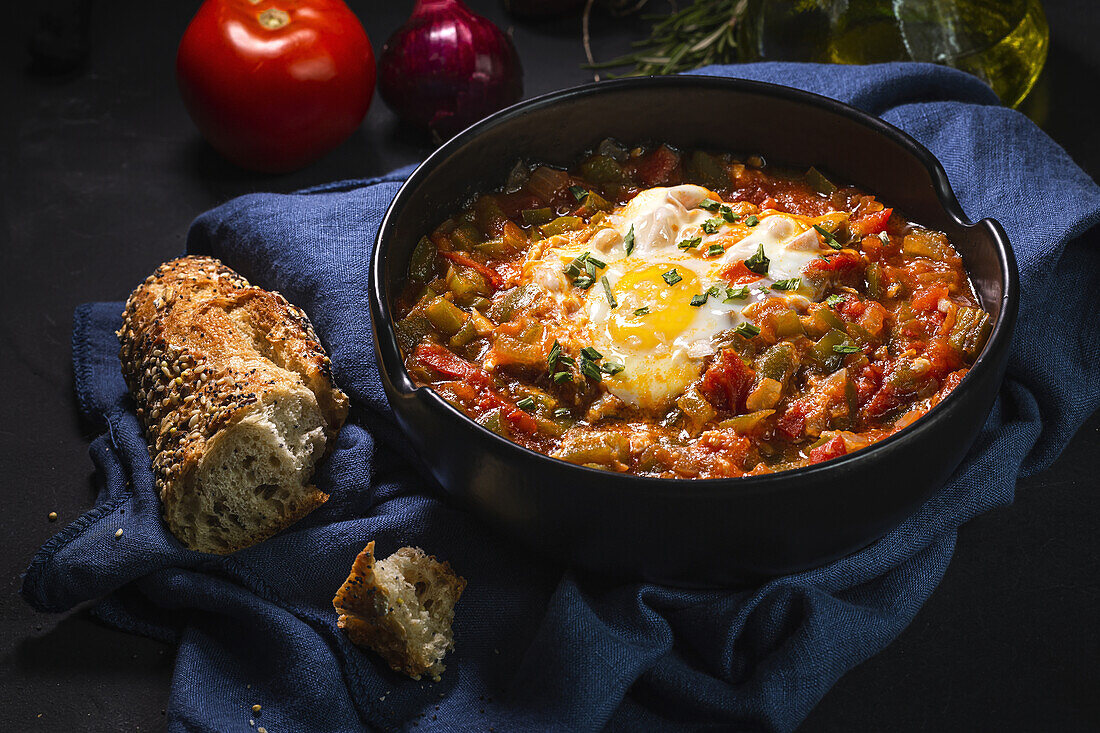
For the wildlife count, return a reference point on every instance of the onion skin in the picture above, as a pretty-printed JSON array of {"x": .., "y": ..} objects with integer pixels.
[{"x": 447, "y": 68}]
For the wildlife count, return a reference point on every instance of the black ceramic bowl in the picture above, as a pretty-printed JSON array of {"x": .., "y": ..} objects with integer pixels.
[{"x": 682, "y": 531}]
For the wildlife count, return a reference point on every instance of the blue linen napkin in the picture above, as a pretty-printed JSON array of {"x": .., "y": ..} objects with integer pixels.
[{"x": 541, "y": 647}]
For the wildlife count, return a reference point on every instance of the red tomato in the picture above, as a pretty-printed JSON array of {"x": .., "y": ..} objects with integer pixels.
[{"x": 275, "y": 84}]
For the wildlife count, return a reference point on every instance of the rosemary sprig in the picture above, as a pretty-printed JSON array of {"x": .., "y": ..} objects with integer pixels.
[{"x": 703, "y": 33}]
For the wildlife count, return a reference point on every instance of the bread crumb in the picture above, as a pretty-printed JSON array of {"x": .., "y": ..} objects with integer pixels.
[
  {"x": 256, "y": 709},
  {"x": 118, "y": 533},
  {"x": 53, "y": 516},
  {"x": 261, "y": 729}
]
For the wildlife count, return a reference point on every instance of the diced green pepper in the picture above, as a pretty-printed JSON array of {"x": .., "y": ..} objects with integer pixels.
[
  {"x": 788, "y": 324},
  {"x": 823, "y": 353},
  {"x": 513, "y": 300},
  {"x": 595, "y": 202},
  {"x": 412, "y": 329},
  {"x": 971, "y": 329},
  {"x": 747, "y": 424},
  {"x": 874, "y": 280},
  {"x": 492, "y": 248},
  {"x": 465, "y": 237},
  {"x": 602, "y": 169},
  {"x": 820, "y": 183},
  {"x": 465, "y": 335},
  {"x": 828, "y": 320},
  {"x": 778, "y": 362},
  {"x": 707, "y": 170},
  {"x": 493, "y": 421},
  {"x": 537, "y": 216},
  {"x": 445, "y": 316},
  {"x": 422, "y": 261},
  {"x": 488, "y": 215},
  {"x": 466, "y": 285},
  {"x": 562, "y": 224}
]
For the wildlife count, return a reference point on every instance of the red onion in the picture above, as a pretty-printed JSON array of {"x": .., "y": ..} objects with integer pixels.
[
  {"x": 541, "y": 8},
  {"x": 447, "y": 67}
]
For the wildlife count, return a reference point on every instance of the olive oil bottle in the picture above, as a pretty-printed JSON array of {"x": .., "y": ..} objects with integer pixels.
[{"x": 1003, "y": 42}]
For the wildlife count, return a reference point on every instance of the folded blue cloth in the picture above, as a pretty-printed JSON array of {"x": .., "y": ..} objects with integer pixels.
[{"x": 538, "y": 646}]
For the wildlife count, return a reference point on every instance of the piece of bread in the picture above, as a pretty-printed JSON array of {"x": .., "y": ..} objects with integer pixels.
[
  {"x": 401, "y": 607},
  {"x": 237, "y": 400}
]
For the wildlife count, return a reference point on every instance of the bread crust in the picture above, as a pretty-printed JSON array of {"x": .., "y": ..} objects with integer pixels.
[
  {"x": 201, "y": 349},
  {"x": 365, "y": 611}
]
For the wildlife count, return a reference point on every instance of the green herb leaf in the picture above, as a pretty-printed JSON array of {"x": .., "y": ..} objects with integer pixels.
[
  {"x": 751, "y": 220},
  {"x": 828, "y": 237},
  {"x": 689, "y": 243},
  {"x": 672, "y": 277},
  {"x": 747, "y": 330},
  {"x": 628, "y": 241},
  {"x": 845, "y": 348},
  {"x": 884, "y": 237},
  {"x": 698, "y": 300},
  {"x": 562, "y": 411},
  {"x": 607, "y": 291},
  {"x": 598, "y": 263},
  {"x": 589, "y": 353},
  {"x": 584, "y": 282},
  {"x": 611, "y": 367},
  {"x": 715, "y": 291},
  {"x": 590, "y": 370},
  {"x": 580, "y": 193},
  {"x": 715, "y": 249},
  {"x": 575, "y": 267},
  {"x": 834, "y": 300},
  {"x": 737, "y": 293},
  {"x": 728, "y": 215},
  {"x": 710, "y": 226},
  {"x": 552, "y": 359},
  {"x": 560, "y": 377},
  {"x": 643, "y": 311},
  {"x": 791, "y": 284},
  {"x": 710, "y": 204},
  {"x": 590, "y": 268},
  {"x": 759, "y": 262},
  {"x": 527, "y": 404}
]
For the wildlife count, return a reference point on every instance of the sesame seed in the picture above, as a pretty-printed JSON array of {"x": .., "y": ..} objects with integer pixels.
[{"x": 118, "y": 533}]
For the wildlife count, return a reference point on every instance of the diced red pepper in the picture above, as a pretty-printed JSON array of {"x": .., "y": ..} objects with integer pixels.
[
  {"x": 869, "y": 224},
  {"x": 834, "y": 448},
  {"x": 739, "y": 274},
  {"x": 793, "y": 421},
  {"x": 461, "y": 258},
  {"x": 726, "y": 383},
  {"x": 656, "y": 168},
  {"x": 836, "y": 265},
  {"x": 929, "y": 298}
]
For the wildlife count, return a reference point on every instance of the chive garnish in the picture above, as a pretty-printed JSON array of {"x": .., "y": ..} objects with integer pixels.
[
  {"x": 643, "y": 311},
  {"x": 552, "y": 359},
  {"x": 589, "y": 369},
  {"x": 715, "y": 249},
  {"x": 710, "y": 204},
  {"x": 710, "y": 226},
  {"x": 612, "y": 368},
  {"x": 747, "y": 330},
  {"x": 628, "y": 241},
  {"x": 526, "y": 404},
  {"x": 607, "y": 290},
  {"x": 714, "y": 291},
  {"x": 672, "y": 277},
  {"x": 584, "y": 282},
  {"x": 580, "y": 193},
  {"x": 845, "y": 348},
  {"x": 689, "y": 243},
  {"x": 884, "y": 237},
  {"x": 598, "y": 263},
  {"x": 737, "y": 293},
  {"x": 560, "y": 377},
  {"x": 589, "y": 353},
  {"x": 577, "y": 265},
  {"x": 698, "y": 300},
  {"x": 561, "y": 412},
  {"x": 759, "y": 262},
  {"x": 828, "y": 237},
  {"x": 751, "y": 220},
  {"x": 834, "y": 300},
  {"x": 791, "y": 284}
]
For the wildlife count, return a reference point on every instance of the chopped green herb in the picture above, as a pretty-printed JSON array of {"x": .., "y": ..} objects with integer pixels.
[
  {"x": 710, "y": 204},
  {"x": 747, "y": 330},
  {"x": 628, "y": 241},
  {"x": 561, "y": 412},
  {"x": 710, "y": 226},
  {"x": 672, "y": 277},
  {"x": 598, "y": 263},
  {"x": 834, "y": 300},
  {"x": 715, "y": 291},
  {"x": 689, "y": 243},
  {"x": 589, "y": 369},
  {"x": 589, "y": 353},
  {"x": 845, "y": 348},
  {"x": 527, "y": 404},
  {"x": 751, "y": 220},
  {"x": 759, "y": 262},
  {"x": 567, "y": 360},
  {"x": 698, "y": 300},
  {"x": 611, "y": 368},
  {"x": 584, "y": 282},
  {"x": 579, "y": 192},
  {"x": 791, "y": 284},
  {"x": 552, "y": 359},
  {"x": 884, "y": 237},
  {"x": 737, "y": 293},
  {"x": 715, "y": 249},
  {"x": 828, "y": 237},
  {"x": 607, "y": 290},
  {"x": 575, "y": 267},
  {"x": 643, "y": 311},
  {"x": 728, "y": 215},
  {"x": 560, "y": 377}
]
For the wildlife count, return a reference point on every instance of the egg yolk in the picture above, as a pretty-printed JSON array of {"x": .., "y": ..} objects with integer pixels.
[{"x": 669, "y": 306}]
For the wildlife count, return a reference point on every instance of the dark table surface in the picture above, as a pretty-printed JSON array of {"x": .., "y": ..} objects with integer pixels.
[{"x": 102, "y": 173}]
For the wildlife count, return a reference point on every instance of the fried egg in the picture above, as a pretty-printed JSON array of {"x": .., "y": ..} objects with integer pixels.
[{"x": 639, "y": 311}]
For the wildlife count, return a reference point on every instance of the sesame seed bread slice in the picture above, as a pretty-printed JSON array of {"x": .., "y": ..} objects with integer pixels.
[
  {"x": 401, "y": 607},
  {"x": 237, "y": 400}
]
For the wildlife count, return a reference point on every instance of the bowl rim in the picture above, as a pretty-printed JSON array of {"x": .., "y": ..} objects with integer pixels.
[{"x": 382, "y": 319}]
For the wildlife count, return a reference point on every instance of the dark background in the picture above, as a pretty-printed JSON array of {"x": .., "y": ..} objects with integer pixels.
[{"x": 102, "y": 173}]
